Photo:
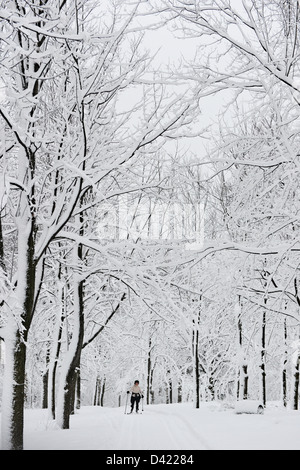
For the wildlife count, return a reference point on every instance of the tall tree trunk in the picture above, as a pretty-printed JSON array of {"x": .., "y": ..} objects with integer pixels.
[
  {"x": 167, "y": 393},
  {"x": 78, "y": 389},
  {"x": 13, "y": 394},
  {"x": 242, "y": 389},
  {"x": 263, "y": 356},
  {"x": 45, "y": 390},
  {"x": 102, "y": 392},
  {"x": 149, "y": 366},
  {"x": 296, "y": 384},
  {"x": 179, "y": 393},
  {"x": 15, "y": 342},
  {"x": 71, "y": 361},
  {"x": 29, "y": 270},
  {"x": 297, "y": 364},
  {"x": 284, "y": 370},
  {"x": 195, "y": 355},
  {"x": 56, "y": 346},
  {"x": 151, "y": 385},
  {"x": 296, "y": 376},
  {"x": 73, "y": 357},
  {"x": 2, "y": 262},
  {"x": 52, "y": 373},
  {"x": 97, "y": 392}
]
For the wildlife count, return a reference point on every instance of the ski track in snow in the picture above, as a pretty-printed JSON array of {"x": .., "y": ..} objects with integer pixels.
[
  {"x": 138, "y": 432},
  {"x": 112, "y": 429},
  {"x": 153, "y": 429},
  {"x": 183, "y": 427},
  {"x": 164, "y": 427}
]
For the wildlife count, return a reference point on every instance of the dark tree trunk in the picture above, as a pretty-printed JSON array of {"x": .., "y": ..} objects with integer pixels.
[
  {"x": 151, "y": 385},
  {"x": 78, "y": 390},
  {"x": 296, "y": 385},
  {"x": 149, "y": 373},
  {"x": 45, "y": 382},
  {"x": 195, "y": 352},
  {"x": 97, "y": 392},
  {"x": 19, "y": 354},
  {"x": 263, "y": 356},
  {"x": 18, "y": 394},
  {"x": 102, "y": 392},
  {"x": 52, "y": 378},
  {"x": 45, "y": 390},
  {"x": 70, "y": 382},
  {"x": 296, "y": 373},
  {"x": 171, "y": 391},
  {"x": 243, "y": 367},
  {"x": 284, "y": 371},
  {"x": 246, "y": 380},
  {"x": 179, "y": 393}
]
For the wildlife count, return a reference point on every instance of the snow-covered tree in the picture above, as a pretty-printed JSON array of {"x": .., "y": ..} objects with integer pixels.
[{"x": 64, "y": 134}]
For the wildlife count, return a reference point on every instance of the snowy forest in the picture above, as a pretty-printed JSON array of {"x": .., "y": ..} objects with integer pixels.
[{"x": 149, "y": 204}]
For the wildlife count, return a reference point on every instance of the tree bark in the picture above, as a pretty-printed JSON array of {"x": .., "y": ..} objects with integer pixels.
[
  {"x": 284, "y": 370},
  {"x": 97, "y": 392},
  {"x": 242, "y": 388},
  {"x": 14, "y": 382},
  {"x": 197, "y": 370},
  {"x": 102, "y": 392},
  {"x": 71, "y": 362},
  {"x": 179, "y": 393},
  {"x": 149, "y": 366},
  {"x": 45, "y": 390},
  {"x": 195, "y": 350},
  {"x": 13, "y": 398},
  {"x": 263, "y": 356},
  {"x": 296, "y": 385},
  {"x": 78, "y": 390}
]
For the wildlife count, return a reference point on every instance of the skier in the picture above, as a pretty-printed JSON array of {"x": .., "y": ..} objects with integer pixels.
[{"x": 136, "y": 395}]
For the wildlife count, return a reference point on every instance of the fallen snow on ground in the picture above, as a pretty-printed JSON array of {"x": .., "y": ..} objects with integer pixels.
[{"x": 166, "y": 427}]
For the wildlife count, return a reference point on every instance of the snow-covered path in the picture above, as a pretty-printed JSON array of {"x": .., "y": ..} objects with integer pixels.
[
  {"x": 165, "y": 427},
  {"x": 159, "y": 428}
]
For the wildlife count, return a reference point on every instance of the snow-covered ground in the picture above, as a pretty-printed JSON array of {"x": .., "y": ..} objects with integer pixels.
[{"x": 166, "y": 427}]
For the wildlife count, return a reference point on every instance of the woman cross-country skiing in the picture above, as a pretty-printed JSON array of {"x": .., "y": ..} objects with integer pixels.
[{"x": 136, "y": 395}]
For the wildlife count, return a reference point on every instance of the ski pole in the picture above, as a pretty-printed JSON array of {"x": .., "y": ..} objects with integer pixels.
[
  {"x": 142, "y": 402},
  {"x": 126, "y": 403}
]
